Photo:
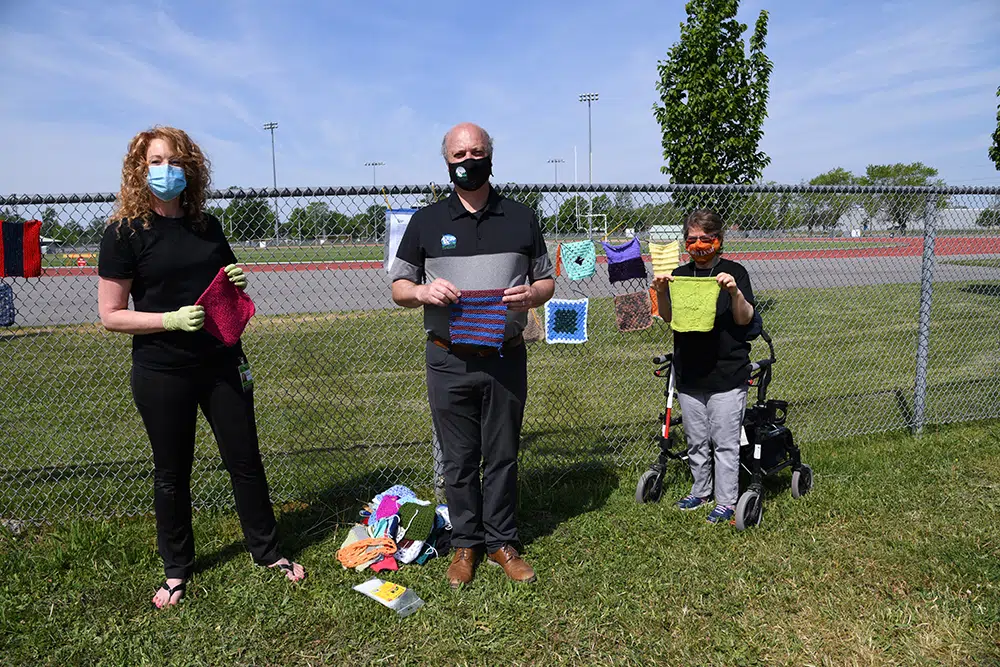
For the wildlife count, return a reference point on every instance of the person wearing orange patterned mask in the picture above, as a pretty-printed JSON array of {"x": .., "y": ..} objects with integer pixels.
[{"x": 712, "y": 368}]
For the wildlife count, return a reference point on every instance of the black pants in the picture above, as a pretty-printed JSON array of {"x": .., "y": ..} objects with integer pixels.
[
  {"x": 477, "y": 405},
  {"x": 168, "y": 402}
]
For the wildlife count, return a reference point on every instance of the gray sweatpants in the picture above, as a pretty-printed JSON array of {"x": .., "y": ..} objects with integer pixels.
[{"x": 714, "y": 417}]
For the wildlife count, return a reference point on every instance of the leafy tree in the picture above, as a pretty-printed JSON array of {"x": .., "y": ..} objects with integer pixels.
[
  {"x": 823, "y": 209},
  {"x": 250, "y": 218},
  {"x": 995, "y": 148},
  {"x": 900, "y": 208},
  {"x": 532, "y": 200},
  {"x": 989, "y": 217},
  {"x": 369, "y": 224},
  {"x": 50, "y": 223},
  {"x": 10, "y": 216},
  {"x": 713, "y": 102},
  {"x": 570, "y": 217}
]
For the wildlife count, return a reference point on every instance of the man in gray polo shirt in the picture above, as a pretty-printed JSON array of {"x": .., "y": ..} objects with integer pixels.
[{"x": 476, "y": 240}]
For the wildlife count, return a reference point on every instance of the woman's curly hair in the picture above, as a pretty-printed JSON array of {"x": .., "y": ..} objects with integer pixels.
[{"x": 134, "y": 198}]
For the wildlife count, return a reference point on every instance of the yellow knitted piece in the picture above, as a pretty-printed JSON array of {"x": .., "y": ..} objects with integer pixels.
[
  {"x": 692, "y": 303},
  {"x": 665, "y": 256}
]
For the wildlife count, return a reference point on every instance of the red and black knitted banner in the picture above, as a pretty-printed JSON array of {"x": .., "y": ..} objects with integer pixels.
[{"x": 20, "y": 249}]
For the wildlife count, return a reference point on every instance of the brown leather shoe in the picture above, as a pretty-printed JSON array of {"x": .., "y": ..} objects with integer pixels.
[
  {"x": 515, "y": 566},
  {"x": 463, "y": 566}
]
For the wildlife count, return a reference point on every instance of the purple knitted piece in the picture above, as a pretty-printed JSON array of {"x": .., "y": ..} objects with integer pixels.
[
  {"x": 625, "y": 261},
  {"x": 620, "y": 253}
]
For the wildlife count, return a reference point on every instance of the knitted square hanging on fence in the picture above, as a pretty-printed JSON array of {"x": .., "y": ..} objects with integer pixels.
[
  {"x": 7, "y": 310},
  {"x": 579, "y": 258},
  {"x": 21, "y": 249},
  {"x": 566, "y": 321},
  {"x": 665, "y": 257},
  {"x": 633, "y": 312},
  {"x": 478, "y": 318},
  {"x": 625, "y": 261},
  {"x": 534, "y": 332},
  {"x": 693, "y": 303}
]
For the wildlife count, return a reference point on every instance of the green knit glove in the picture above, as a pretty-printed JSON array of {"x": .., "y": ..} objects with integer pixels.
[
  {"x": 236, "y": 276},
  {"x": 188, "y": 318}
]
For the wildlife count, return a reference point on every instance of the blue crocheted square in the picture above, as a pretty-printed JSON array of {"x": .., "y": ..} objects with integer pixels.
[{"x": 566, "y": 321}]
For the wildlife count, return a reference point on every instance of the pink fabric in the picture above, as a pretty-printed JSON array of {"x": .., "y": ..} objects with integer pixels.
[
  {"x": 227, "y": 309},
  {"x": 388, "y": 507},
  {"x": 387, "y": 563}
]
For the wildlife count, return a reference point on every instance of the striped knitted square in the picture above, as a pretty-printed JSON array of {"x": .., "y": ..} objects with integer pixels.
[{"x": 479, "y": 318}]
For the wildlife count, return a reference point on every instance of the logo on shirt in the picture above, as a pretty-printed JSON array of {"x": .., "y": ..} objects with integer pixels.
[{"x": 448, "y": 242}]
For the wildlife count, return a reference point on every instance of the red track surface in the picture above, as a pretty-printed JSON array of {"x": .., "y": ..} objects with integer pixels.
[{"x": 908, "y": 247}]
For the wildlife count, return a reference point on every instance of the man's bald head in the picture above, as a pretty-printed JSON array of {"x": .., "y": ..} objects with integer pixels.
[{"x": 466, "y": 140}]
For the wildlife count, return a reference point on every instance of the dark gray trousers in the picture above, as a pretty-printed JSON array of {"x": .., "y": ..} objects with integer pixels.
[{"x": 477, "y": 405}]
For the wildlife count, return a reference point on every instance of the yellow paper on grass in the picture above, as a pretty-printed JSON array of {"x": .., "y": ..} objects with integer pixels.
[
  {"x": 665, "y": 256},
  {"x": 389, "y": 591},
  {"x": 692, "y": 303}
]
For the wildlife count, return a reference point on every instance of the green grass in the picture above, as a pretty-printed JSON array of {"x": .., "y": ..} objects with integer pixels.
[
  {"x": 892, "y": 559},
  {"x": 341, "y": 400},
  {"x": 988, "y": 263}
]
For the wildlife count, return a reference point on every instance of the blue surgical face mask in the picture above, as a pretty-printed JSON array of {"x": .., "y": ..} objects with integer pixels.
[{"x": 166, "y": 181}]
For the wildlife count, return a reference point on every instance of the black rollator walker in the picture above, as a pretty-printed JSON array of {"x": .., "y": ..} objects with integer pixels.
[{"x": 766, "y": 445}]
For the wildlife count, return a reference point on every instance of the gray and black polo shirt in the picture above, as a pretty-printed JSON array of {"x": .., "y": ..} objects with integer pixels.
[{"x": 498, "y": 247}]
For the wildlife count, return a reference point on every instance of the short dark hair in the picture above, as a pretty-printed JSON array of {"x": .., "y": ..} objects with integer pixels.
[{"x": 710, "y": 222}]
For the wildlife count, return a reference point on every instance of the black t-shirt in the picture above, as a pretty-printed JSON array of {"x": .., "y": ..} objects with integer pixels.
[
  {"x": 716, "y": 360},
  {"x": 170, "y": 265}
]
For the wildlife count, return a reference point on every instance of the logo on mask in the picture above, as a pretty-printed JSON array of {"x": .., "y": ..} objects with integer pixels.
[
  {"x": 448, "y": 242},
  {"x": 460, "y": 172}
]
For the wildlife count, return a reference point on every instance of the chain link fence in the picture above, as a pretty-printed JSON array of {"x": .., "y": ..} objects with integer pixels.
[{"x": 882, "y": 303}]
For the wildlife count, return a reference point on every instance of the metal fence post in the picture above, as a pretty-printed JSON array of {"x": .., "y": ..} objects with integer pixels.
[{"x": 924, "y": 328}]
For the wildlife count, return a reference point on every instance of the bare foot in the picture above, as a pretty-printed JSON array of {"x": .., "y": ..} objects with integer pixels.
[
  {"x": 169, "y": 594},
  {"x": 293, "y": 571}
]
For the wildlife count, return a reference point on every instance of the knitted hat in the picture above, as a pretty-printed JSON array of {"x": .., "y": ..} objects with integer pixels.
[
  {"x": 479, "y": 318},
  {"x": 625, "y": 261},
  {"x": 228, "y": 309}
]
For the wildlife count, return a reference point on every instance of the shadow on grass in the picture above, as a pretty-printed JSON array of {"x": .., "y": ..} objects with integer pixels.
[
  {"x": 549, "y": 496},
  {"x": 982, "y": 289}
]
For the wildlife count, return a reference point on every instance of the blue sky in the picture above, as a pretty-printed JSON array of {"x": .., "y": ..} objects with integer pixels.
[{"x": 854, "y": 83}]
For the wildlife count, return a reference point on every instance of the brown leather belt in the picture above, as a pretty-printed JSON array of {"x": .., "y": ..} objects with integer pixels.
[{"x": 463, "y": 350}]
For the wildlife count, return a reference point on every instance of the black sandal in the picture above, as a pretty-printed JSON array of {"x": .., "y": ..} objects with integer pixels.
[{"x": 179, "y": 588}]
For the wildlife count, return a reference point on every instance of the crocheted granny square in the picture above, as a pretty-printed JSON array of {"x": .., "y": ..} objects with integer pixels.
[{"x": 566, "y": 321}]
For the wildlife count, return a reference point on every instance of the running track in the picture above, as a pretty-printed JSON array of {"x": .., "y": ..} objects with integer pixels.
[{"x": 69, "y": 295}]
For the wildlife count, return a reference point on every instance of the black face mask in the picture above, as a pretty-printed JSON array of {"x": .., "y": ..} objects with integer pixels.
[{"x": 471, "y": 174}]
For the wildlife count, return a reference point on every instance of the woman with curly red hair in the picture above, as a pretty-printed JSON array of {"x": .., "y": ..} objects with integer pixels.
[{"x": 163, "y": 250}]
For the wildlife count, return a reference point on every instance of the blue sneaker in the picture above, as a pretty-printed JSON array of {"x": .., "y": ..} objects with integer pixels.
[
  {"x": 721, "y": 514},
  {"x": 693, "y": 502}
]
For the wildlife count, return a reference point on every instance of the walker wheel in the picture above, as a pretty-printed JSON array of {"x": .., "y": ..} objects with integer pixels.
[
  {"x": 645, "y": 489},
  {"x": 802, "y": 481},
  {"x": 749, "y": 510}
]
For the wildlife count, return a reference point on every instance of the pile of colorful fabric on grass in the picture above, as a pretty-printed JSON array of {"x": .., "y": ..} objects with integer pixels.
[{"x": 396, "y": 528}]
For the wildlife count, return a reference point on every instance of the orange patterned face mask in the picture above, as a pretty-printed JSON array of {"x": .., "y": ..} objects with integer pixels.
[{"x": 703, "y": 247}]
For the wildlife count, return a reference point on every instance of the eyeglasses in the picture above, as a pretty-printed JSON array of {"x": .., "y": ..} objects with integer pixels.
[{"x": 704, "y": 239}]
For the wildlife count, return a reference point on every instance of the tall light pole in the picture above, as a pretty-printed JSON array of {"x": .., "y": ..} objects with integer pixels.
[
  {"x": 373, "y": 165},
  {"x": 555, "y": 162},
  {"x": 588, "y": 98},
  {"x": 274, "y": 176}
]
